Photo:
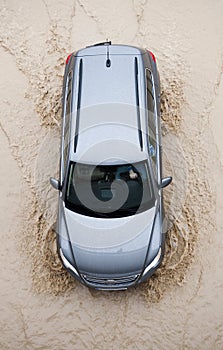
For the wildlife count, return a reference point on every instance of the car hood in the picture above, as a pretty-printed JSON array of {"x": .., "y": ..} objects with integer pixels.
[{"x": 109, "y": 246}]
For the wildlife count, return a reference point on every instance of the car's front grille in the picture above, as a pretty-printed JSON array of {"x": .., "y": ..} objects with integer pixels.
[{"x": 110, "y": 281}]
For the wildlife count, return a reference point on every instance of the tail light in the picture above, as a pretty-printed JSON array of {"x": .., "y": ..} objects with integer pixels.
[
  {"x": 68, "y": 58},
  {"x": 152, "y": 56}
]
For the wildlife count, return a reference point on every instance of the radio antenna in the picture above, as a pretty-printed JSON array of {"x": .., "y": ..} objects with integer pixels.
[{"x": 108, "y": 61}]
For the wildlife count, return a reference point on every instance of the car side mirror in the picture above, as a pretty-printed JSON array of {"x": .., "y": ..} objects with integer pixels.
[
  {"x": 55, "y": 183},
  {"x": 166, "y": 181}
]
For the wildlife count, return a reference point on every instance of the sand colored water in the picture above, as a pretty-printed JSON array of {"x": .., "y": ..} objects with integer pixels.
[{"x": 41, "y": 306}]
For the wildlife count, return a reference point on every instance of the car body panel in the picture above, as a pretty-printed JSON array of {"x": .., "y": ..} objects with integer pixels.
[
  {"x": 108, "y": 142},
  {"x": 109, "y": 246},
  {"x": 105, "y": 88},
  {"x": 103, "y": 97}
]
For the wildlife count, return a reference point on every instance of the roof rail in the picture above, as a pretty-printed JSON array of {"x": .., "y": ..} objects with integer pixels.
[
  {"x": 78, "y": 105},
  {"x": 137, "y": 104}
]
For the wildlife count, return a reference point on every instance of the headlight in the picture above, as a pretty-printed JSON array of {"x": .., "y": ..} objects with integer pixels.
[
  {"x": 153, "y": 263},
  {"x": 67, "y": 264}
]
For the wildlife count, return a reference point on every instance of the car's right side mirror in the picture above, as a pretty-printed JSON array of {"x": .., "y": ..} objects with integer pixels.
[
  {"x": 166, "y": 181},
  {"x": 55, "y": 183}
]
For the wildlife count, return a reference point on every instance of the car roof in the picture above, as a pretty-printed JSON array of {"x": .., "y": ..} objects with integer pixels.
[
  {"x": 114, "y": 49},
  {"x": 107, "y": 104}
]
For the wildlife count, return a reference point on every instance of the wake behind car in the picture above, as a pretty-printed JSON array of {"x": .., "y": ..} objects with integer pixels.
[{"x": 110, "y": 214}]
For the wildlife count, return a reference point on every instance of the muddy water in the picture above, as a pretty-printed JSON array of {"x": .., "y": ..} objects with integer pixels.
[{"x": 41, "y": 306}]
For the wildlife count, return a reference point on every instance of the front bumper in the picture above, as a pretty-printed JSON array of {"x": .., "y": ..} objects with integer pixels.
[{"x": 111, "y": 283}]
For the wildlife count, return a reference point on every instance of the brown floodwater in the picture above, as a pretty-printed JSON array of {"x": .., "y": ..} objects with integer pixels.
[{"x": 181, "y": 306}]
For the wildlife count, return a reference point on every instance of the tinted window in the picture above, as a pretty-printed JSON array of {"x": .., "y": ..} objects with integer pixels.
[
  {"x": 68, "y": 103},
  {"x": 151, "y": 119},
  {"x": 109, "y": 190},
  {"x": 67, "y": 119},
  {"x": 149, "y": 88}
]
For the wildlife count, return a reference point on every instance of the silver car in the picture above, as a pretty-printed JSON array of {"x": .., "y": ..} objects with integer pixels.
[{"x": 110, "y": 233}]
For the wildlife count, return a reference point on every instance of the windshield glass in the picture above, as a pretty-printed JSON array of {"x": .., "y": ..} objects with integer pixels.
[{"x": 109, "y": 190}]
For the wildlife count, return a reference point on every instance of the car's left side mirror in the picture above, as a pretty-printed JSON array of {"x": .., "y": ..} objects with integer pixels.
[
  {"x": 55, "y": 183},
  {"x": 166, "y": 181}
]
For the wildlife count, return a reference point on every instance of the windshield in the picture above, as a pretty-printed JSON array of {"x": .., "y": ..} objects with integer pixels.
[{"x": 109, "y": 190}]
